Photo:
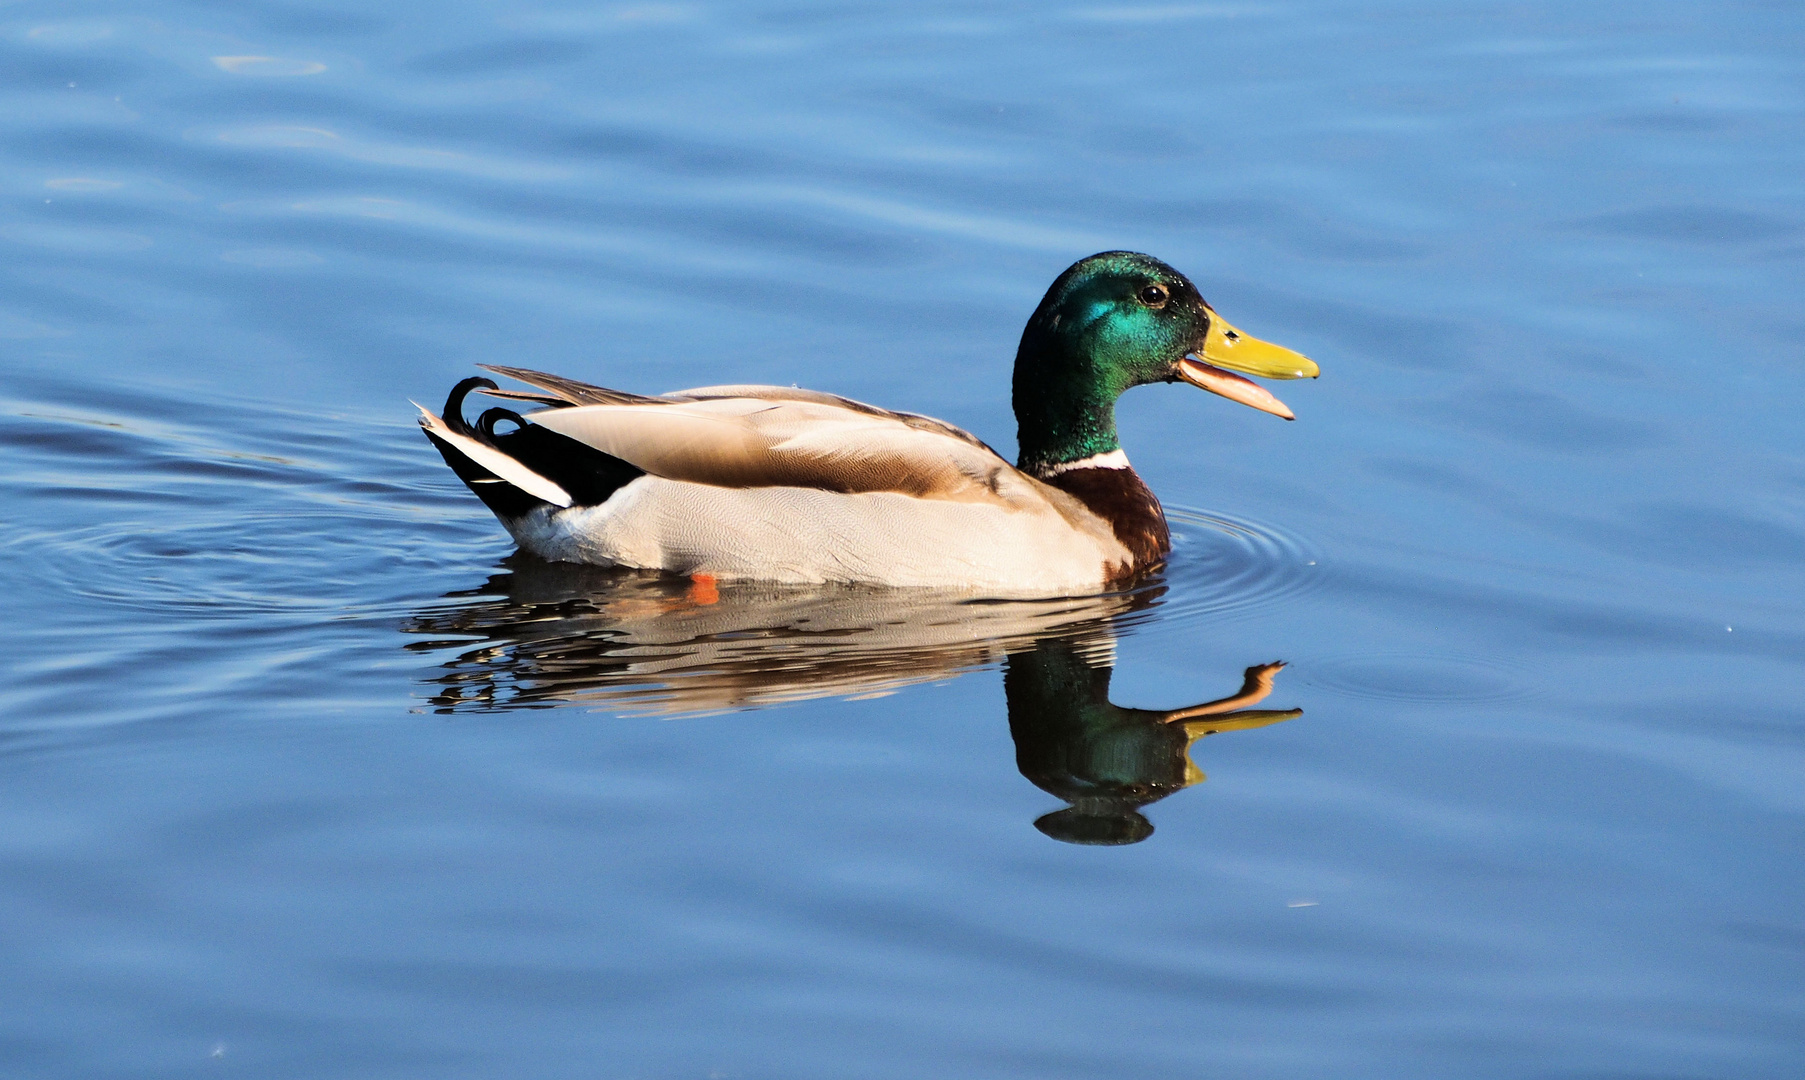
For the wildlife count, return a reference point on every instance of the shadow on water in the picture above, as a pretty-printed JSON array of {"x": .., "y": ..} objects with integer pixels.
[{"x": 546, "y": 634}]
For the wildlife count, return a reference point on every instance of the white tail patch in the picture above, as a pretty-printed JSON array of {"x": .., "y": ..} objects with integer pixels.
[{"x": 496, "y": 462}]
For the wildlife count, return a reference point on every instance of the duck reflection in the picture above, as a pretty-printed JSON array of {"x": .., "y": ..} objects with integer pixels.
[
  {"x": 548, "y": 634},
  {"x": 1106, "y": 760}
]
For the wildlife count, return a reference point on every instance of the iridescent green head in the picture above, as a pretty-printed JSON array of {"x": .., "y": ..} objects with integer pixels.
[{"x": 1117, "y": 320}]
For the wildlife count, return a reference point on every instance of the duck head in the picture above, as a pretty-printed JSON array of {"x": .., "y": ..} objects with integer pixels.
[{"x": 1117, "y": 320}]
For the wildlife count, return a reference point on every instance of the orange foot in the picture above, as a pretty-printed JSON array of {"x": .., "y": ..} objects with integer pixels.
[{"x": 702, "y": 591}]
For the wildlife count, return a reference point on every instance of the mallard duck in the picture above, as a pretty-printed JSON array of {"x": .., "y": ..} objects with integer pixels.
[{"x": 780, "y": 484}]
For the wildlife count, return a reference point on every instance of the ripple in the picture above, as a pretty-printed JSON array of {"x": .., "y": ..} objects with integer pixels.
[
  {"x": 1223, "y": 563},
  {"x": 162, "y": 519},
  {"x": 71, "y": 33},
  {"x": 230, "y": 567},
  {"x": 254, "y": 137},
  {"x": 268, "y": 66},
  {"x": 75, "y": 239},
  {"x": 272, "y": 258},
  {"x": 1431, "y": 678},
  {"x": 82, "y": 183}
]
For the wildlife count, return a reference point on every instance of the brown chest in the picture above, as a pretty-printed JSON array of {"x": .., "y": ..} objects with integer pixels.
[{"x": 1119, "y": 497}]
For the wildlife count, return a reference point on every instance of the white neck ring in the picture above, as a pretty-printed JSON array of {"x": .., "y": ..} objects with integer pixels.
[{"x": 1113, "y": 459}]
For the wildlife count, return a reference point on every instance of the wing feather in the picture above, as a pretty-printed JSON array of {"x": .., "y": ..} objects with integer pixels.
[
  {"x": 554, "y": 400},
  {"x": 792, "y": 393},
  {"x": 784, "y": 440},
  {"x": 572, "y": 390},
  {"x": 576, "y": 392}
]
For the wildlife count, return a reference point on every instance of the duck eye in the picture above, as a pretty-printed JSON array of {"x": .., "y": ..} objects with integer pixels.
[{"x": 1154, "y": 295}]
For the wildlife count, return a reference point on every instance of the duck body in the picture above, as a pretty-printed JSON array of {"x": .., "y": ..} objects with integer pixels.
[
  {"x": 797, "y": 486},
  {"x": 775, "y": 484}
]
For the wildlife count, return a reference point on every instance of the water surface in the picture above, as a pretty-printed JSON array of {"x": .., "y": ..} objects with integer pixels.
[{"x": 303, "y": 773}]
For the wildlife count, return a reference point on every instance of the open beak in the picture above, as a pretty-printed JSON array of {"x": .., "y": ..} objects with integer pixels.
[{"x": 1227, "y": 350}]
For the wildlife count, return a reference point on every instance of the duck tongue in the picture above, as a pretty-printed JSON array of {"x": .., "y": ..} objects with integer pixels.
[{"x": 1231, "y": 386}]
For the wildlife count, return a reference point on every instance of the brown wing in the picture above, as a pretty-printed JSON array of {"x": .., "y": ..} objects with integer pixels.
[
  {"x": 784, "y": 440},
  {"x": 817, "y": 397},
  {"x": 567, "y": 391}
]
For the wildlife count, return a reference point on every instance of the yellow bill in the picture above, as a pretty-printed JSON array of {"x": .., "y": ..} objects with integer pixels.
[
  {"x": 1235, "y": 721},
  {"x": 1227, "y": 350}
]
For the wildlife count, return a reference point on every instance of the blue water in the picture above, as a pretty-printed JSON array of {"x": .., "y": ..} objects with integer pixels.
[{"x": 303, "y": 774}]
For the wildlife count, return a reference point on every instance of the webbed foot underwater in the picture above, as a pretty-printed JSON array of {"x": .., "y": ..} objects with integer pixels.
[{"x": 785, "y": 485}]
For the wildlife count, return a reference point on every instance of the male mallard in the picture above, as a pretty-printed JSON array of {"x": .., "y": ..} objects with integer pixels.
[{"x": 766, "y": 482}]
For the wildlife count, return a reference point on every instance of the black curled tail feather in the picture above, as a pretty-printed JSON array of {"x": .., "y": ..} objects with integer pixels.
[
  {"x": 503, "y": 499},
  {"x": 490, "y": 417},
  {"x": 454, "y": 406},
  {"x": 588, "y": 474}
]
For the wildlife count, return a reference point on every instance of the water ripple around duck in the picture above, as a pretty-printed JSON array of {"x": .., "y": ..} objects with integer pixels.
[
  {"x": 1224, "y": 563},
  {"x": 183, "y": 523},
  {"x": 1425, "y": 678}
]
